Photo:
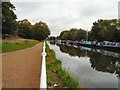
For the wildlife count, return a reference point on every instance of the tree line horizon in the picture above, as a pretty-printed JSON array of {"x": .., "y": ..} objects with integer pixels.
[
  {"x": 102, "y": 30},
  {"x": 22, "y": 28}
]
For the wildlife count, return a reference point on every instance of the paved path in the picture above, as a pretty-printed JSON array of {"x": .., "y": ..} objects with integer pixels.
[{"x": 21, "y": 69}]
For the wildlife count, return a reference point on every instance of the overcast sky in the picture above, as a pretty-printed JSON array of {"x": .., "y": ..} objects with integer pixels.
[{"x": 65, "y": 14}]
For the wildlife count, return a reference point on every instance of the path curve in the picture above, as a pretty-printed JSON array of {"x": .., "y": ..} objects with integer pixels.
[{"x": 21, "y": 69}]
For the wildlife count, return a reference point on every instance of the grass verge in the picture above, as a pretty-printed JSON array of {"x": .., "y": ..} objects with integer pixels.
[
  {"x": 8, "y": 45},
  {"x": 56, "y": 77}
]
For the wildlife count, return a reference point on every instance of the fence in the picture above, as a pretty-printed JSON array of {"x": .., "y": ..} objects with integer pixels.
[{"x": 43, "y": 81}]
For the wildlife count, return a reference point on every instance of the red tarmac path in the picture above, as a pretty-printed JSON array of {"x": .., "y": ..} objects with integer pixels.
[{"x": 21, "y": 69}]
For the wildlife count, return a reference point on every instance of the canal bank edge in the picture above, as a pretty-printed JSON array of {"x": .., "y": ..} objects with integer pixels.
[{"x": 56, "y": 77}]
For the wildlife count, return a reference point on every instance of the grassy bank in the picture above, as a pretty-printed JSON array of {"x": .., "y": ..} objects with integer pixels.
[
  {"x": 8, "y": 45},
  {"x": 56, "y": 77}
]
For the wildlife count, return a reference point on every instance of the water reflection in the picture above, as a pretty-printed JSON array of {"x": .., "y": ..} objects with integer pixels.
[
  {"x": 92, "y": 68},
  {"x": 99, "y": 61},
  {"x": 105, "y": 63},
  {"x": 72, "y": 51}
]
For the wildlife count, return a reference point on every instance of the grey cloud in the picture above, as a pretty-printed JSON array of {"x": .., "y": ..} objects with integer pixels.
[
  {"x": 65, "y": 14},
  {"x": 98, "y": 9}
]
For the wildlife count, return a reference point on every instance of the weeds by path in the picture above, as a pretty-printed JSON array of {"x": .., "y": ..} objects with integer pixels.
[{"x": 56, "y": 77}]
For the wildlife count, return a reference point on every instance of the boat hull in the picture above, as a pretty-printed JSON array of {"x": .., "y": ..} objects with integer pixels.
[{"x": 110, "y": 48}]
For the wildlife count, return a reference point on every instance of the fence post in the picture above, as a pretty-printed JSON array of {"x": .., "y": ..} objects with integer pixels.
[{"x": 43, "y": 81}]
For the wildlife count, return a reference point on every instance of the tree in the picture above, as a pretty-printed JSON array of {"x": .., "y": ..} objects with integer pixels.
[
  {"x": 24, "y": 29},
  {"x": 105, "y": 30},
  {"x": 73, "y": 34},
  {"x": 95, "y": 31},
  {"x": 8, "y": 18},
  {"x": 0, "y": 18},
  {"x": 65, "y": 35},
  {"x": 79, "y": 34},
  {"x": 38, "y": 31},
  {"x": 52, "y": 38},
  {"x": 41, "y": 31}
]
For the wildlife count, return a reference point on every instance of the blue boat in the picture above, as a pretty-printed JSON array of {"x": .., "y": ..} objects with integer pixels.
[{"x": 88, "y": 43}]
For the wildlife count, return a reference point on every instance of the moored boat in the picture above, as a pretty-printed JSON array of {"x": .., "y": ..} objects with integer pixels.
[
  {"x": 112, "y": 46},
  {"x": 88, "y": 43},
  {"x": 107, "y": 44}
]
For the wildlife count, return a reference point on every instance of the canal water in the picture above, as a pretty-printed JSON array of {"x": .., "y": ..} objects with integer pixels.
[{"x": 91, "y": 68}]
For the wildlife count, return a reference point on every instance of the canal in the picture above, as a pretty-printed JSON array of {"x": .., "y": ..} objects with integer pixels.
[{"x": 91, "y": 68}]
